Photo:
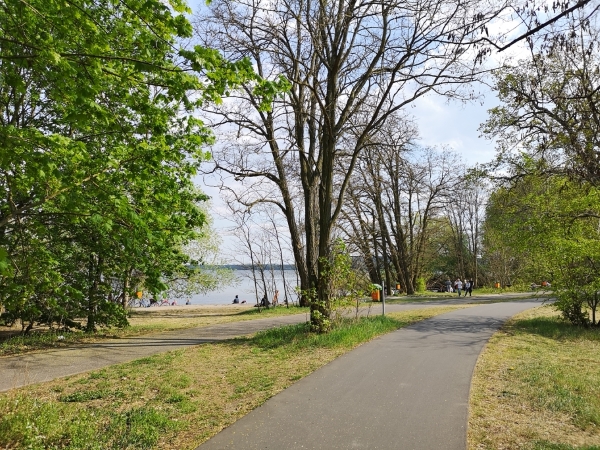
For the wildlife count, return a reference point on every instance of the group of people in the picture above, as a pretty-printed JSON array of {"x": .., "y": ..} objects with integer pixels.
[
  {"x": 459, "y": 286},
  {"x": 164, "y": 302},
  {"x": 264, "y": 302}
]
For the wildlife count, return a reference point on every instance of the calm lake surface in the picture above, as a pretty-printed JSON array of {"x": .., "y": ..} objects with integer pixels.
[{"x": 243, "y": 285}]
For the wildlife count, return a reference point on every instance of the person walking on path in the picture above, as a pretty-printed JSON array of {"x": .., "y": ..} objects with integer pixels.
[
  {"x": 470, "y": 287},
  {"x": 458, "y": 285},
  {"x": 448, "y": 285}
]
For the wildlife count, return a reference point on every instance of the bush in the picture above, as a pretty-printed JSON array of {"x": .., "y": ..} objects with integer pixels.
[{"x": 571, "y": 304}]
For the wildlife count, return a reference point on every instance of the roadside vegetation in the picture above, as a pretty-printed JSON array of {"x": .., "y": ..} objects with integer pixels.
[
  {"x": 142, "y": 321},
  {"x": 179, "y": 399},
  {"x": 537, "y": 386}
]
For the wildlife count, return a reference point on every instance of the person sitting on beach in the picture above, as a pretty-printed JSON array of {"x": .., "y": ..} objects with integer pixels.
[
  {"x": 264, "y": 302},
  {"x": 236, "y": 299},
  {"x": 188, "y": 302}
]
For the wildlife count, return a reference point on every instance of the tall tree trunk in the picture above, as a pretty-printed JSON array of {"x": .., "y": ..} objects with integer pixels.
[
  {"x": 92, "y": 293},
  {"x": 125, "y": 296}
]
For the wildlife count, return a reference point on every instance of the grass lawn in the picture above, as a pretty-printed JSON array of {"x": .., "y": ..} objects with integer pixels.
[
  {"x": 142, "y": 321},
  {"x": 179, "y": 399},
  {"x": 537, "y": 386}
]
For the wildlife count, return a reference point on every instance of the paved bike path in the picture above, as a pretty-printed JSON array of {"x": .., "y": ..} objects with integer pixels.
[
  {"x": 17, "y": 371},
  {"x": 21, "y": 370},
  {"x": 406, "y": 390}
]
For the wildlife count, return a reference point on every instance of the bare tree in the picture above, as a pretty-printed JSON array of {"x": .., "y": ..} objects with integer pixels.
[
  {"x": 419, "y": 188},
  {"x": 550, "y": 109},
  {"x": 465, "y": 214},
  {"x": 550, "y": 23},
  {"x": 347, "y": 60}
]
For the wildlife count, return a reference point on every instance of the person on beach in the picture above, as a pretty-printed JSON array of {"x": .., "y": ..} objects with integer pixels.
[
  {"x": 458, "y": 285},
  {"x": 188, "y": 302},
  {"x": 275, "y": 297},
  {"x": 264, "y": 302},
  {"x": 236, "y": 299}
]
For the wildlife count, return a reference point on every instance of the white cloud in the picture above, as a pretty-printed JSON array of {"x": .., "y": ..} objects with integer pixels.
[{"x": 455, "y": 125}]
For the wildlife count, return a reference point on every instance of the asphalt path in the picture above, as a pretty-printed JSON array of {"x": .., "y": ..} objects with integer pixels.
[
  {"x": 21, "y": 370},
  {"x": 405, "y": 390},
  {"x": 37, "y": 367}
]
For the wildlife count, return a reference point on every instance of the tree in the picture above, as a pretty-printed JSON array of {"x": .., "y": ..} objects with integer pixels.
[
  {"x": 98, "y": 148},
  {"x": 351, "y": 65},
  {"x": 551, "y": 224},
  {"x": 465, "y": 214},
  {"x": 549, "y": 108},
  {"x": 408, "y": 191},
  {"x": 505, "y": 261},
  {"x": 204, "y": 271},
  {"x": 548, "y": 130}
]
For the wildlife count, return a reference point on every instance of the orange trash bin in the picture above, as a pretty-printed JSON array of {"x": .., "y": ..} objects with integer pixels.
[{"x": 375, "y": 296}]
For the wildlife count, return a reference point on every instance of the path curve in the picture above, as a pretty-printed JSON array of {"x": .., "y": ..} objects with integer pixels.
[
  {"x": 47, "y": 365},
  {"x": 405, "y": 390}
]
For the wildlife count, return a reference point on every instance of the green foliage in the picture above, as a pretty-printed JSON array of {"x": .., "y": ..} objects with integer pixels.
[
  {"x": 99, "y": 147},
  {"x": 203, "y": 273},
  {"x": 420, "y": 285},
  {"x": 550, "y": 226}
]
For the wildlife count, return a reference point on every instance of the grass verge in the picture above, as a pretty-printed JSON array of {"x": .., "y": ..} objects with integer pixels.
[
  {"x": 536, "y": 386},
  {"x": 179, "y": 399},
  {"x": 142, "y": 321}
]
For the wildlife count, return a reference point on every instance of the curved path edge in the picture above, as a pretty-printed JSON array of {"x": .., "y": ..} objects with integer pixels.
[
  {"x": 407, "y": 390},
  {"x": 30, "y": 368}
]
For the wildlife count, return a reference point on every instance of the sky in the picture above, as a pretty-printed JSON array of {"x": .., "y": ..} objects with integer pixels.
[{"x": 455, "y": 125}]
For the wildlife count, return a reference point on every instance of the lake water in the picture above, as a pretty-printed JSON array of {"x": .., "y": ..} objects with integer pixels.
[{"x": 243, "y": 286}]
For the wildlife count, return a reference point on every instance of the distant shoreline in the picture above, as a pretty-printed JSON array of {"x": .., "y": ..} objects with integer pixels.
[
  {"x": 193, "y": 306},
  {"x": 269, "y": 267}
]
